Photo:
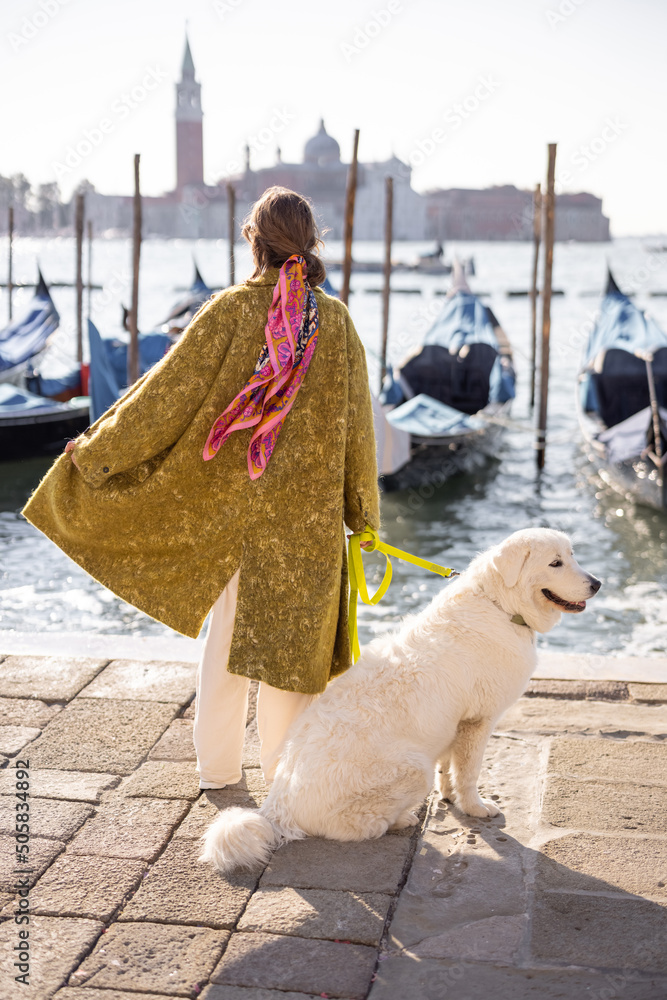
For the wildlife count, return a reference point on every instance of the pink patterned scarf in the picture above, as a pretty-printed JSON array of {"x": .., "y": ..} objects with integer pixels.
[{"x": 268, "y": 395}]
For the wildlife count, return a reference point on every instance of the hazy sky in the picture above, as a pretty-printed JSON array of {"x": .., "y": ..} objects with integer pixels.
[{"x": 469, "y": 92}]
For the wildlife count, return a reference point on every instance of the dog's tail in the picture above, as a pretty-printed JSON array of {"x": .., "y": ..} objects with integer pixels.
[{"x": 239, "y": 838}]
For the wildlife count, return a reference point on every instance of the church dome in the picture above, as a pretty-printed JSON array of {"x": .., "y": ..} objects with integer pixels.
[{"x": 322, "y": 148}]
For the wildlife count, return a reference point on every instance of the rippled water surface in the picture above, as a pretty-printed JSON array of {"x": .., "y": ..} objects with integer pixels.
[{"x": 625, "y": 545}]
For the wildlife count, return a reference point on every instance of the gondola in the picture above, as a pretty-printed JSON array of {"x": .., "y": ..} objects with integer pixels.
[
  {"x": 622, "y": 399},
  {"x": 184, "y": 310},
  {"x": 32, "y": 421},
  {"x": 23, "y": 340},
  {"x": 108, "y": 355},
  {"x": 452, "y": 393}
]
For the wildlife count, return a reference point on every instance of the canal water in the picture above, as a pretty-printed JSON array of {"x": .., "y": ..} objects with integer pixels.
[{"x": 624, "y": 545}]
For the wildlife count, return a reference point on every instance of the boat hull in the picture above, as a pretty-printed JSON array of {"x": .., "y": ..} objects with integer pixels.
[
  {"x": 434, "y": 461},
  {"x": 636, "y": 478},
  {"x": 43, "y": 431}
]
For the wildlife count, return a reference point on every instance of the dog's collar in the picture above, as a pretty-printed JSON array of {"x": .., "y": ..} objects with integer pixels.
[{"x": 519, "y": 620}]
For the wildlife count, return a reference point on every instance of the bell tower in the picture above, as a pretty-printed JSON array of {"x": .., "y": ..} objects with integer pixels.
[{"x": 189, "y": 131}]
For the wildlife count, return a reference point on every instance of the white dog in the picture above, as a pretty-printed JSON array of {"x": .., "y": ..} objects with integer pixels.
[{"x": 361, "y": 758}]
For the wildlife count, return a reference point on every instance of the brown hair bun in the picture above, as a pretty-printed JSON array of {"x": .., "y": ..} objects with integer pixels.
[{"x": 280, "y": 224}]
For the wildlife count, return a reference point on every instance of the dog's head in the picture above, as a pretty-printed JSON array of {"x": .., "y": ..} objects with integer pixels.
[{"x": 534, "y": 573}]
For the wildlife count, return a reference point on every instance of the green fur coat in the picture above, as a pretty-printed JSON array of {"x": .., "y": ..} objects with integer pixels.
[{"x": 165, "y": 531}]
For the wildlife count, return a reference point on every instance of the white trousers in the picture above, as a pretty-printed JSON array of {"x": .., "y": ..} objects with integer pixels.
[{"x": 222, "y": 704}]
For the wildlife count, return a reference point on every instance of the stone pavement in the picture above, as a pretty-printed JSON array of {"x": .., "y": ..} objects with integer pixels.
[{"x": 563, "y": 895}]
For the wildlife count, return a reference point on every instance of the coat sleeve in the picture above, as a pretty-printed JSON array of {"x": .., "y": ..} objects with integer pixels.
[
  {"x": 362, "y": 496},
  {"x": 156, "y": 410}
]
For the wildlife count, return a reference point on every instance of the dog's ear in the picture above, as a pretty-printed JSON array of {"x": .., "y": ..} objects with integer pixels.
[{"x": 509, "y": 559}]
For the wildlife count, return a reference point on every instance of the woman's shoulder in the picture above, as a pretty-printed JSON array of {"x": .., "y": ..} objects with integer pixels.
[{"x": 236, "y": 299}]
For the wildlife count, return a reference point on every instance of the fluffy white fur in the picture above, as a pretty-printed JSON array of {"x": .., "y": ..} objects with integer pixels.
[{"x": 425, "y": 698}]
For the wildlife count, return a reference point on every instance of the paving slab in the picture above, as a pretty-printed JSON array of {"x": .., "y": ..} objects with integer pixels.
[
  {"x": 92, "y": 734},
  {"x": 603, "y": 807},
  {"x": 80, "y": 786},
  {"x": 176, "y": 743},
  {"x": 599, "y": 932},
  {"x": 581, "y": 862},
  {"x": 250, "y": 792},
  {"x": 150, "y": 958},
  {"x": 163, "y": 779},
  {"x": 578, "y": 690},
  {"x": 593, "y": 666},
  {"x": 204, "y": 896},
  {"x": 318, "y": 913},
  {"x": 251, "y": 746},
  {"x": 50, "y": 818},
  {"x": 648, "y": 692},
  {"x": 189, "y": 712},
  {"x": 47, "y": 678},
  {"x": 549, "y": 716},
  {"x": 56, "y": 946},
  {"x": 42, "y": 853},
  {"x": 455, "y": 894},
  {"x": 93, "y": 887},
  {"x": 216, "y": 992},
  {"x": 26, "y": 712},
  {"x": 411, "y": 978},
  {"x": 141, "y": 680},
  {"x": 77, "y": 993},
  {"x": 129, "y": 828},
  {"x": 14, "y": 738},
  {"x": 510, "y": 775},
  {"x": 609, "y": 760},
  {"x": 358, "y": 866},
  {"x": 468, "y": 872},
  {"x": 253, "y": 692},
  {"x": 299, "y": 964}
]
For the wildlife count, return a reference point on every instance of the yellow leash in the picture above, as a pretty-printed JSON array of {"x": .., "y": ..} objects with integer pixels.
[{"x": 358, "y": 586}]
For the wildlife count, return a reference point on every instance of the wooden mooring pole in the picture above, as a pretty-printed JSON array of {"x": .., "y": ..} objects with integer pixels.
[
  {"x": 386, "y": 291},
  {"x": 231, "y": 209},
  {"x": 90, "y": 266},
  {"x": 78, "y": 232},
  {"x": 133, "y": 349},
  {"x": 549, "y": 233},
  {"x": 350, "y": 195},
  {"x": 10, "y": 233},
  {"x": 537, "y": 235}
]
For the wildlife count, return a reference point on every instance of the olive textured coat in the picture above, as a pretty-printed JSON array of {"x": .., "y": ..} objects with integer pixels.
[{"x": 165, "y": 531}]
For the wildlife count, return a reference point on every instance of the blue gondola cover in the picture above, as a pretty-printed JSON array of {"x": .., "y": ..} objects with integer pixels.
[{"x": 26, "y": 336}]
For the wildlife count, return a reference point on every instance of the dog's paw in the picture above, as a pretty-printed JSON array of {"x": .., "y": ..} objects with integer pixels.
[
  {"x": 405, "y": 820},
  {"x": 479, "y": 807}
]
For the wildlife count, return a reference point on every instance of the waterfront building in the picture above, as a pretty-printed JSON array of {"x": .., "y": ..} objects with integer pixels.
[{"x": 506, "y": 213}]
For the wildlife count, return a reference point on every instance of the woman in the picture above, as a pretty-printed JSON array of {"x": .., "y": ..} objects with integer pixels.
[{"x": 223, "y": 478}]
